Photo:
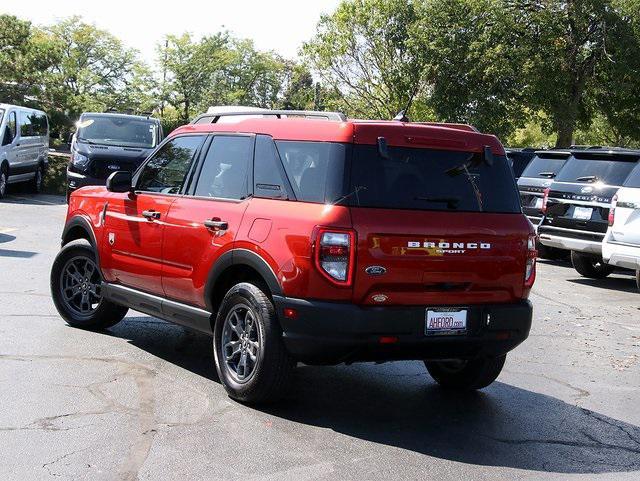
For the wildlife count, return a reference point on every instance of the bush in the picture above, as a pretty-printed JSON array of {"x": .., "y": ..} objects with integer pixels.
[{"x": 55, "y": 179}]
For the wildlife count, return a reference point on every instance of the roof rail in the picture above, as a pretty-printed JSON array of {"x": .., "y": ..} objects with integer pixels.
[{"x": 313, "y": 114}]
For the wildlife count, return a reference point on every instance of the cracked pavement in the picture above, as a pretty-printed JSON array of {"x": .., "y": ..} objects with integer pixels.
[{"x": 141, "y": 401}]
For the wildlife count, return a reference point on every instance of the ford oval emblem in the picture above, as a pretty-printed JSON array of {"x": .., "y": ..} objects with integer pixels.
[
  {"x": 379, "y": 298},
  {"x": 586, "y": 190},
  {"x": 375, "y": 270}
]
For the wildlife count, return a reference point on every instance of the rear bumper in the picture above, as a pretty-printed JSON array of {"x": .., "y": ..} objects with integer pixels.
[
  {"x": 621, "y": 255},
  {"x": 331, "y": 332},
  {"x": 570, "y": 244}
]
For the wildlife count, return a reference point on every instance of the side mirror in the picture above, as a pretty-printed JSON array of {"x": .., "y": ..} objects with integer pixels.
[{"x": 119, "y": 181}]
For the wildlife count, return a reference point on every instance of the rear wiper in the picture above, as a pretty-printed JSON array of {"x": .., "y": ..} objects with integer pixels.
[
  {"x": 353, "y": 192},
  {"x": 549, "y": 175},
  {"x": 452, "y": 202},
  {"x": 588, "y": 178}
]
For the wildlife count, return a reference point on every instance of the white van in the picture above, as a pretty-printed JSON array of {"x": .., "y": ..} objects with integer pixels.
[
  {"x": 621, "y": 244},
  {"x": 24, "y": 142}
]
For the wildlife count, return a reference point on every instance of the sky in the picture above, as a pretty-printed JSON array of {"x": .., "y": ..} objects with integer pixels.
[{"x": 279, "y": 25}]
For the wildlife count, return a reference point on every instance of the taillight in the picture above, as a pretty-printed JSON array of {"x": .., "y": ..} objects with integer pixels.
[
  {"x": 335, "y": 254},
  {"x": 532, "y": 253},
  {"x": 612, "y": 209},
  {"x": 545, "y": 198}
]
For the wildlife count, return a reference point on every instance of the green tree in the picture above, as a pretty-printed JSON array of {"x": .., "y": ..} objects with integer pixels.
[
  {"x": 189, "y": 68},
  {"x": 26, "y": 54},
  {"x": 365, "y": 52},
  {"x": 93, "y": 71},
  {"x": 477, "y": 72}
]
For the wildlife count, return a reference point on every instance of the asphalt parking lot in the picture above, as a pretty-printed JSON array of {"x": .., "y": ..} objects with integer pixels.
[{"x": 142, "y": 401}]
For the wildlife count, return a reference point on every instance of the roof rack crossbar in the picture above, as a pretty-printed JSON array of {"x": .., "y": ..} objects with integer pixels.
[{"x": 335, "y": 116}]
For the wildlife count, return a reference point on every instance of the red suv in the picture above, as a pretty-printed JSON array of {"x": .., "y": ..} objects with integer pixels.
[{"x": 293, "y": 238}]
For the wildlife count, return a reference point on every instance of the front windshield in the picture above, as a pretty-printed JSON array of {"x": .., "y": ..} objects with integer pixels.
[{"x": 118, "y": 130}]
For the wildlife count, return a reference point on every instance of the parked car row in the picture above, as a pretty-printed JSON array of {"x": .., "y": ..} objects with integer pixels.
[{"x": 573, "y": 197}]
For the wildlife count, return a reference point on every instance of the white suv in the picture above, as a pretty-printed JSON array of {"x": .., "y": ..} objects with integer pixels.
[{"x": 621, "y": 244}]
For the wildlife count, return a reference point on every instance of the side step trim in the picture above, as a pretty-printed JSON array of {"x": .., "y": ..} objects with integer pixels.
[{"x": 172, "y": 311}]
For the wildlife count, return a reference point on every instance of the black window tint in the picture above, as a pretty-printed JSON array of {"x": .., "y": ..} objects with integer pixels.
[
  {"x": 166, "y": 171},
  {"x": 268, "y": 178},
  {"x": 422, "y": 179},
  {"x": 634, "y": 178},
  {"x": 543, "y": 167},
  {"x": 26, "y": 126},
  {"x": 611, "y": 172},
  {"x": 10, "y": 129},
  {"x": 315, "y": 169},
  {"x": 226, "y": 167}
]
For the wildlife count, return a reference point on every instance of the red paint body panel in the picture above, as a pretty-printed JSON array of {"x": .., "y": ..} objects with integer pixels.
[
  {"x": 428, "y": 276},
  {"x": 135, "y": 257},
  {"x": 191, "y": 249}
]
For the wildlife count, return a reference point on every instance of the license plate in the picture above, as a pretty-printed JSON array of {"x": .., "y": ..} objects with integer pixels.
[
  {"x": 445, "y": 321},
  {"x": 583, "y": 213},
  {"x": 538, "y": 203}
]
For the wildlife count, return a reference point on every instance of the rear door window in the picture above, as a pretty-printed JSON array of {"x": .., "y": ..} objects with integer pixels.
[
  {"x": 590, "y": 170},
  {"x": 225, "y": 171},
  {"x": 423, "y": 179},
  {"x": 544, "y": 167}
]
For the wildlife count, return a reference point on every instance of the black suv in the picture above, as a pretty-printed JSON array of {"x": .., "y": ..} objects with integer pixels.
[
  {"x": 108, "y": 142},
  {"x": 576, "y": 205},
  {"x": 520, "y": 159},
  {"x": 536, "y": 177}
]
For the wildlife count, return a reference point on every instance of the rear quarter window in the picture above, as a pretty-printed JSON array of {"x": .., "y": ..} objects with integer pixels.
[
  {"x": 634, "y": 178},
  {"x": 423, "y": 179}
]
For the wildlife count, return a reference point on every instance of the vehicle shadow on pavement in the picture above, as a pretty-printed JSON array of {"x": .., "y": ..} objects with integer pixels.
[
  {"x": 175, "y": 344},
  {"x": 397, "y": 404},
  {"x": 627, "y": 284},
  {"x": 4, "y": 238},
  {"x": 33, "y": 199}
]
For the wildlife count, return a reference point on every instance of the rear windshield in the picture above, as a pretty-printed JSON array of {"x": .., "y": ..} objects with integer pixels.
[
  {"x": 118, "y": 130},
  {"x": 607, "y": 171},
  {"x": 543, "y": 167},
  {"x": 634, "y": 178},
  {"x": 422, "y": 179}
]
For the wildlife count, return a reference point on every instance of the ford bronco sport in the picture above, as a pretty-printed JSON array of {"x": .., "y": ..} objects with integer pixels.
[{"x": 300, "y": 239}]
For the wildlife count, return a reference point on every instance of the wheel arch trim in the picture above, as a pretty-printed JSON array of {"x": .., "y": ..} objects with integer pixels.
[{"x": 239, "y": 257}]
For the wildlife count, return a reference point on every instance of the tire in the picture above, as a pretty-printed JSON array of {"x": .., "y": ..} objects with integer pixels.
[
  {"x": 35, "y": 184},
  {"x": 590, "y": 266},
  {"x": 247, "y": 311},
  {"x": 550, "y": 253},
  {"x": 4, "y": 181},
  {"x": 466, "y": 375},
  {"x": 638, "y": 278},
  {"x": 71, "y": 264}
]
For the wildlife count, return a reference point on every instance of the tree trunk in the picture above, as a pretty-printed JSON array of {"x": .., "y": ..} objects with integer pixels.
[
  {"x": 565, "y": 136},
  {"x": 186, "y": 111}
]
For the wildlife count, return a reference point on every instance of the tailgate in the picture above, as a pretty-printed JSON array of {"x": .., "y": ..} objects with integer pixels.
[{"x": 438, "y": 257}]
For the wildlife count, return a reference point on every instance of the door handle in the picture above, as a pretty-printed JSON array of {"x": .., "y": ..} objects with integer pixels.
[
  {"x": 216, "y": 224},
  {"x": 151, "y": 214}
]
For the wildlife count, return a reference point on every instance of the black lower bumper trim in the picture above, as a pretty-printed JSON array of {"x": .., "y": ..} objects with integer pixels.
[{"x": 331, "y": 332}]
